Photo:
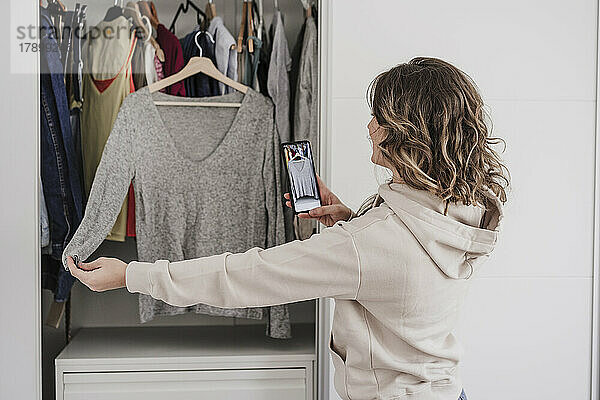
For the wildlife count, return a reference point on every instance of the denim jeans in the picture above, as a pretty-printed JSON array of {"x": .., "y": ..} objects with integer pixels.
[
  {"x": 463, "y": 396},
  {"x": 60, "y": 169}
]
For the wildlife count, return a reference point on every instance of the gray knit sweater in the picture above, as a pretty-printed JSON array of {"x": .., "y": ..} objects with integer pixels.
[{"x": 206, "y": 181}]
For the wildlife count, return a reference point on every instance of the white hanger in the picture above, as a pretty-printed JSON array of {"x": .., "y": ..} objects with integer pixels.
[
  {"x": 148, "y": 26},
  {"x": 198, "y": 44},
  {"x": 194, "y": 66}
]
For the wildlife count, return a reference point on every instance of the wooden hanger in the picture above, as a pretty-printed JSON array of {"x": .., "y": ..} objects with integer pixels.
[
  {"x": 132, "y": 11},
  {"x": 240, "y": 38},
  {"x": 146, "y": 10},
  {"x": 194, "y": 66},
  {"x": 137, "y": 11},
  {"x": 246, "y": 25},
  {"x": 250, "y": 26},
  {"x": 210, "y": 11}
]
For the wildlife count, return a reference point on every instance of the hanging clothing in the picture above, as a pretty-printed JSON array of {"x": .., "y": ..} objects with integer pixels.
[
  {"x": 149, "y": 63},
  {"x": 138, "y": 63},
  {"x": 264, "y": 61},
  {"x": 200, "y": 85},
  {"x": 253, "y": 62},
  {"x": 44, "y": 223},
  {"x": 60, "y": 168},
  {"x": 174, "y": 63},
  {"x": 278, "y": 81},
  {"x": 248, "y": 63},
  {"x": 225, "y": 52},
  {"x": 306, "y": 114},
  {"x": 197, "y": 192},
  {"x": 160, "y": 75},
  {"x": 74, "y": 76},
  {"x": 275, "y": 65},
  {"x": 106, "y": 83},
  {"x": 241, "y": 62}
]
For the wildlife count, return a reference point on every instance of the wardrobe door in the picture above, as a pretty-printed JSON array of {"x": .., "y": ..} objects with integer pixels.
[{"x": 19, "y": 223}]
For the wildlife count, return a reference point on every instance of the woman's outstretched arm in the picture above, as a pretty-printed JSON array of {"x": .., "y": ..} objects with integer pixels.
[{"x": 326, "y": 265}]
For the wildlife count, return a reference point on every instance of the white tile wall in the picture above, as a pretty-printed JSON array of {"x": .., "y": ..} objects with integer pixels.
[
  {"x": 548, "y": 230},
  {"x": 353, "y": 174},
  {"x": 527, "y": 325},
  {"x": 527, "y": 339},
  {"x": 535, "y": 49}
]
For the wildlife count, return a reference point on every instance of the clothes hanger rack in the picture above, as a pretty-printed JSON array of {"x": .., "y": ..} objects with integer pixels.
[{"x": 194, "y": 66}]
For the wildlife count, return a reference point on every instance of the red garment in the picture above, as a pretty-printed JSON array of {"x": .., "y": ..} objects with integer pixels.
[
  {"x": 131, "y": 212},
  {"x": 159, "y": 68},
  {"x": 103, "y": 84},
  {"x": 173, "y": 58},
  {"x": 159, "y": 71}
]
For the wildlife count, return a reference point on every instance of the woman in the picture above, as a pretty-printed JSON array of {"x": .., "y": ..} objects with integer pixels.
[{"x": 399, "y": 268}]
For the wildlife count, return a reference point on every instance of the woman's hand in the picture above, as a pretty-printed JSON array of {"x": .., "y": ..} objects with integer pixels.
[
  {"x": 331, "y": 211},
  {"x": 100, "y": 275}
]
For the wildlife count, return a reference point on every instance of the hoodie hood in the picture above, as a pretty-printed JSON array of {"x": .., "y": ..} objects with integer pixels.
[{"x": 458, "y": 242}]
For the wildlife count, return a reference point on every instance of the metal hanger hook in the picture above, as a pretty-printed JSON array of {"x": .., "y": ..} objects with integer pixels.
[{"x": 198, "y": 44}]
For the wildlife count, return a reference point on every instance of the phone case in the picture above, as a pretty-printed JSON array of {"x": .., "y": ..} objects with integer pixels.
[{"x": 287, "y": 174}]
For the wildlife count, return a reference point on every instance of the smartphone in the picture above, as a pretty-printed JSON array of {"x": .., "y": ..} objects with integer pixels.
[{"x": 302, "y": 179}]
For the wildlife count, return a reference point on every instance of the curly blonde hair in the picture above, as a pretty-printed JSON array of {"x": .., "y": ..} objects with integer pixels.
[{"x": 437, "y": 135}]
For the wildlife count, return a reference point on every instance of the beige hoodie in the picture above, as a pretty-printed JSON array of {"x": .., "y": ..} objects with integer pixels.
[{"x": 399, "y": 274}]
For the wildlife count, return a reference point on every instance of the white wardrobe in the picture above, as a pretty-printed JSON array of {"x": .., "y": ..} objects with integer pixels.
[{"x": 530, "y": 326}]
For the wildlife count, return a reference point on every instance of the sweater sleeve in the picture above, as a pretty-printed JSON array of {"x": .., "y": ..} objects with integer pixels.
[
  {"x": 273, "y": 192},
  {"x": 111, "y": 183},
  {"x": 325, "y": 265}
]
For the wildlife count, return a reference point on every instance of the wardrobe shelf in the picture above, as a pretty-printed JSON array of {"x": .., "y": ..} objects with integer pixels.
[{"x": 154, "y": 346}]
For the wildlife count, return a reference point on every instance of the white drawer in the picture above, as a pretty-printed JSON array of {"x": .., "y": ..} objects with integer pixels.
[{"x": 248, "y": 384}]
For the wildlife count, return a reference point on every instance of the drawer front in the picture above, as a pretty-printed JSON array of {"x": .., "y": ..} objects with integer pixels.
[{"x": 256, "y": 384}]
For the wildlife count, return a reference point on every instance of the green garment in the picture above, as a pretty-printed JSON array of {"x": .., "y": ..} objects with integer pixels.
[{"x": 108, "y": 57}]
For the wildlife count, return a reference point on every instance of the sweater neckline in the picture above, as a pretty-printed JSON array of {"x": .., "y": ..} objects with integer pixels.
[{"x": 235, "y": 125}]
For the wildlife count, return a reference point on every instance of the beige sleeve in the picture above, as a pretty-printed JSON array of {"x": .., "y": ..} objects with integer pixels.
[{"x": 326, "y": 265}]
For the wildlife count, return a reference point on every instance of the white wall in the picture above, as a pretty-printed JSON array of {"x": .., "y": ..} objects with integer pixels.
[{"x": 527, "y": 325}]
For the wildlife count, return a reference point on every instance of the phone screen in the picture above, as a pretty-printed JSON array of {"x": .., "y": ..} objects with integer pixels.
[{"x": 304, "y": 191}]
